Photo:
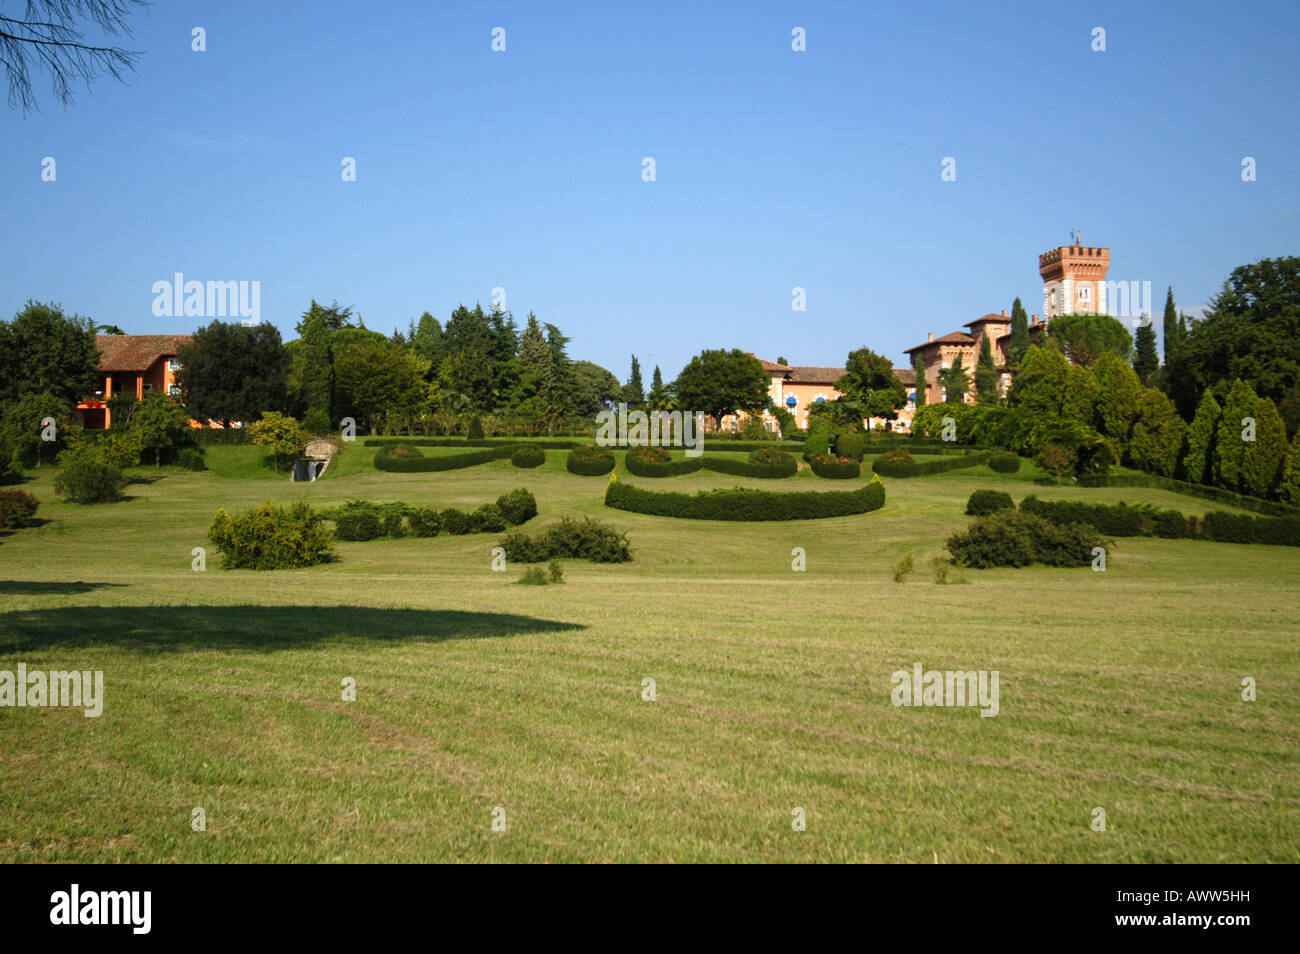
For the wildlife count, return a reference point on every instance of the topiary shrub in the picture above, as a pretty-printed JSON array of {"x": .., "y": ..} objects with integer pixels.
[
  {"x": 988, "y": 501},
  {"x": 655, "y": 461},
  {"x": 851, "y": 445},
  {"x": 455, "y": 522},
  {"x": 586, "y": 539},
  {"x": 518, "y": 506},
  {"x": 818, "y": 444},
  {"x": 836, "y": 468},
  {"x": 16, "y": 508},
  {"x": 900, "y": 463},
  {"x": 475, "y": 432},
  {"x": 271, "y": 537},
  {"x": 403, "y": 459},
  {"x": 425, "y": 522},
  {"x": 590, "y": 460},
  {"x": 1006, "y": 462},
  {"x": 528, "y": 456},
  {"x": 85, "y": 479},
  {"x": 358, "y": 525}
]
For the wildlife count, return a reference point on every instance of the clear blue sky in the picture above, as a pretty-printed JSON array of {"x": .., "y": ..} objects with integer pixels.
[{"x": 522, "y": 169}]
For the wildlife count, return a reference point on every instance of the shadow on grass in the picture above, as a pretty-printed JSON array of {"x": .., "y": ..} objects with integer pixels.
[
  {"x": 256, "y": 628},
  {"x": 37, "y": 586}
]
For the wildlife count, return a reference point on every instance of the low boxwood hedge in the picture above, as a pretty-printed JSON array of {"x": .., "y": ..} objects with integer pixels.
[
  {"x": 1217, "y": 494},
  {"x": 590, "y": 460},
  {"x": 740, "y": 503},
  {"x": 1242, "y": 528},
  {"x": 902, "y": 464},
  {"x": 767, "y": 463},
  {"x": 528, "y": 456},
  {"x": 988, "y": 501},
  {"x": 658, "y": 462},
  {"x": 466, "y": 442},
  {"x": 365, "y": 520},
  {"x": 405, "y": 459}
]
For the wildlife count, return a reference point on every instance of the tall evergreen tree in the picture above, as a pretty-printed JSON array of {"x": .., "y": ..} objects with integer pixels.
[
  {"x": 1172, "y": 329},
  {"x": 1229, "y": 439},
  {"x": 316, "y": 375},
  {"x": 918, "y": 368},
  {"x": 1146, "y": 360},
  {"x": 1264, "y": 457},
  {"x": 633, "y": 392},
  {"x": 955, "y": 381},
  {"x": 1019, "y": 342},
  {"x": 1199, "y": 462},
  {"x": 660, "y": 397},
  {"x": 986, "y": 375}
]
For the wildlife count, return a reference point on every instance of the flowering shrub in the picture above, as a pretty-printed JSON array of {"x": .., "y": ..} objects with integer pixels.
[{"x": 840, "y": 468}]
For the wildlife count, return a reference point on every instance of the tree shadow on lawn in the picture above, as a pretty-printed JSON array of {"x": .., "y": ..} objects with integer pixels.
[
  {"x": 163, "y": 629},
  {"x": 39, "y": 586}
]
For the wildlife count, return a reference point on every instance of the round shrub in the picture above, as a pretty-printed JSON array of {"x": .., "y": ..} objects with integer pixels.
[
  {"x": 424, "y": 522},
  {"x": 851, "y": 445},
  {"x": 86, "y": 480},
  {"x": 658, "y": 461},
  {"x": 837, "y": 468},
  {"x": 16, "y": 508},
  {"x": 772, "y": 462},
  {"x": 1019, "y": 538},
  {"x": 988, "y": 501},
  {"x": 1007, "y": 463},
  {"x": 817, "y": 445},
  {"x": 487, "y": 519},
  {"x": 528, "y": 456},
  {"x": 590, "y": 460},
  {"x": 358, "y": 525},
  {"x": 518, "y": 506},
  {"x": 584, "y": 539},
  {"x": 271, "y": 537}
]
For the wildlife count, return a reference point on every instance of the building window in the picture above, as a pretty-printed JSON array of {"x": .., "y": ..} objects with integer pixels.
[
  {"x": 147, "y": 387},
  {"x": 1085, "y": 293},
  {"x": 173, "y": 364},
  {"x": 174, "y": 390}
]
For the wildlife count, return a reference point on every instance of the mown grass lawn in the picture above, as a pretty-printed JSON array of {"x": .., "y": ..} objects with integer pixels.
[{"x": 1119, "y": 690}]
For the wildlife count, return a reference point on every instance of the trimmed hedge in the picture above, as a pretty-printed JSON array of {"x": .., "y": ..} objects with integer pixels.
[
  {"x": 16, "y": 508},
  {"x": 988, "y": 501},
  {"x": 1007, "y": 463},
  {"x": 364, "y": 520},
  {"x": 841, "y": 468},
  {"x": 466, "y": 442},
  {"x": 527, "y": 456},
  {"x": 852, "y": 446},
  {"x": 658, "y": 462},
  {"x": 404, "y": 459},
  {"x": 740, "y": 503},
  {"x": 590, "y": 460},
  {"x": 1239, "y": 528},
  {"x": 210, "y": 436},
  {"x": 912, "y": 469},
  {"x": 1120, "y": 520},
  {"x": 1217, "y": 494},
  {"x": 766, "y": 463}
]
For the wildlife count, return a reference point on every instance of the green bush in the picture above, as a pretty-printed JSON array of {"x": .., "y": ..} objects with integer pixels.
[
  {"x": 910, "y": 467},
  {"x": 1119, "y": 520},
  {"x": 533, "y": 576},
  {"x": 658, "y": 462},
  {"x": 358, "y": 525},
  {"x": 988, "y": 501},
  {"x": 191, "y": 458},
  {"x": 271, "y": 537},
  {"x": 528, "y": 456},
  {"x": 818, "y": 444},
  {"x": 902, "y": 568},
  {"x": 584, "y": 539},
  {"x": 425, "y": 522},
  {"x": 393, "y": 525},
  {"x": 1278, "y": 531},
  {"x": 467, "y": 443},
  {"x": 518, "y": 506},
  {"x": 455, "y": 522},
  {"x": 487, "y": 519},
  {"x": 1018, "y": 538},
  {"x": 1169, "y": 524},
  {"x": 85, "y": 479},
  {"x": 590, "y": 460},
  {"x": 475, "y": 432},
  {"x": 836, "y": 468},
  {"x": 852, "y": 446},
  {"x": 1216, "y": 494},
  {"x": 16, "y": 508},
  {"x": 746, "y": 504},
  {"x": 1006, "y": 462},
  {"x": 404, "y": 459}
]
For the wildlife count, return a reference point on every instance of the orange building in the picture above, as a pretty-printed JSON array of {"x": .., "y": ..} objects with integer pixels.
[
  {"x": 798, "y": 387},
  {"x": 132, "y": 364}
]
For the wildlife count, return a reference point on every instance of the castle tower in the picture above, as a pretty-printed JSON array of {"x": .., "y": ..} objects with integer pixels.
[{"x": 1071, "y": 274}]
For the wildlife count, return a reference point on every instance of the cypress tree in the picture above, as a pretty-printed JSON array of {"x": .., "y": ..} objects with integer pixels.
[
  {"x": 1019, "y": 342},
  {"x": 1173, "y": 330},
  {"x": 986, "y": 375},
  {"x": 1146, "y": 360},
  {"x": 1199, "y": 462},
  {"x": 633, "y": 392},
  {"x": 1261, "y": 464},
  {"x": 918, "y": 367},
  {"x": 1230, "y": 436}
]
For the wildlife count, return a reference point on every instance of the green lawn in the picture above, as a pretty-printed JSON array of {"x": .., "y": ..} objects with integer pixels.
[{"x": 1119, "y": 690}]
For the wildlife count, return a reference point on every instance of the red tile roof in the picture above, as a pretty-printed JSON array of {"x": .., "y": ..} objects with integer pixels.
[
  {"x": 135, "y": 352},
  {"x": 956, "y": 337},
  {"x": 1000, "y": 319}
]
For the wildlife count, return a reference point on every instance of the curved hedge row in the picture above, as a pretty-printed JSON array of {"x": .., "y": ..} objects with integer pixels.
[
  {"x": 407, "y": 460},
  {"x": 913, "y": 469},
  {"x": 467, "y": 442},
  {"x": 835, "y": 469},
  {"x": 590, "y": 460},
  {"x": 657, "y": 462},
  {"x": 740, "y": 503},
  {"x": 1216, "y": 494}
]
